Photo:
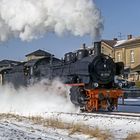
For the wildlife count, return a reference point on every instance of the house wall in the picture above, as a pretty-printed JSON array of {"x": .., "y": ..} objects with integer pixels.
[
  {"x": 136, "y": 56},
  {"x": 106, "y": 49},
  {"x": 125, "y": 55},
  {"x": 119, "y": 51},
  {"x": 0, "y": 79}
]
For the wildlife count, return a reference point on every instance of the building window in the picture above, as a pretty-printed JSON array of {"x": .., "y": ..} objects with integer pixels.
[
  {"x": 132, "y": 56},
  {"x": 103, "y": 50},
  {"x": 118, "y": 56}
]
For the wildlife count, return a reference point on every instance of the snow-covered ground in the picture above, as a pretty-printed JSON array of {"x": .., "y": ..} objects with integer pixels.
[
  {"x": 16, "y": 128},
  {"x": 119, "y": 127}
]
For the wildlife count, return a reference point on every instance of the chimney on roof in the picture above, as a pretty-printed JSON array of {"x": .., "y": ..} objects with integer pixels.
[
  {"x": 129, "y": 37},
  {"x": 115, "y": 39}
]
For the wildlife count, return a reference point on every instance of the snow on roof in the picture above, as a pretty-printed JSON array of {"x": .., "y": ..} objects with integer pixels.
[
  {"x": 122, "y": 42},
  {"x": 119, "y": 42}
]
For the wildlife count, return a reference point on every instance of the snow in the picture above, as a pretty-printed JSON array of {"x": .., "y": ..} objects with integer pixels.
[
  {"x": 119, "y": 127},
  {"x": 14, "y": 129},
  {"x": 120, "y": 42}
]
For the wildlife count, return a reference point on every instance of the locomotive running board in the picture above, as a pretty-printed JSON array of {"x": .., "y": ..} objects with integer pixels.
[{"x": 75, "y": 85}]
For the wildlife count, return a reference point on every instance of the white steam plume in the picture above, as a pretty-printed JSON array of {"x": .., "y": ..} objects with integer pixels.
[
  {"x": 30, "y": 19},
  {"x": 36, "y": 99}
]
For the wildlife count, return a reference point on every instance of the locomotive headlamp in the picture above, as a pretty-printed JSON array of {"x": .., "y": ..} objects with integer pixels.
[
  {"x": 120, "y": 84},
  {"x": 95, "y": 85}
]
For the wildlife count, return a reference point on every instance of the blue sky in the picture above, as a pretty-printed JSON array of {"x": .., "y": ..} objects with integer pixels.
[{"x": 120, "y": 16}]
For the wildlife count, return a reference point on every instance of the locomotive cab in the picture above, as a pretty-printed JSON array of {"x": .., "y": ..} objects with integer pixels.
[
  {"x": 82, "y": 53},
  {"x": 70, "y": 57}
]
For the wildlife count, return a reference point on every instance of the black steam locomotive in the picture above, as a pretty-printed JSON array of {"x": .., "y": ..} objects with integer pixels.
[{"x": 90, "y": 73}]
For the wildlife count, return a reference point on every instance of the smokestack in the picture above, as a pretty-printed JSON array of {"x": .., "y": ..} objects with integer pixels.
[
  {"x": 129, "y": 37},
  {"x": 97, "y": 48},
  {"x": 84, "y": 46}
]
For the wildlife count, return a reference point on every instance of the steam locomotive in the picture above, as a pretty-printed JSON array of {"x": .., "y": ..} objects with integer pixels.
[{"x": 90, "y": 74}]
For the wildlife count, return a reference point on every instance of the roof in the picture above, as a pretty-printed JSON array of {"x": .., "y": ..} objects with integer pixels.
[
  {"x": 121, "y": 43},
  {"x": 110, "y": 42},
  {"x": 8, "y": 62},
  {"x": 5, "y": 69},
  {"x": 127, "y": 42},
  {"x": 136, "y": 69},
  {"x": 39, "y": 53},
  {"x": 36, "y": 61}
]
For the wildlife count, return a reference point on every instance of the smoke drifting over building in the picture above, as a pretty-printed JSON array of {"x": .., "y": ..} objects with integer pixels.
[{"x": 31, "y": 19}]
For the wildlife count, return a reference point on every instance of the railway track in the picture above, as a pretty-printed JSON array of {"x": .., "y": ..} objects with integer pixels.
[{"x": 117, "y": 115}]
